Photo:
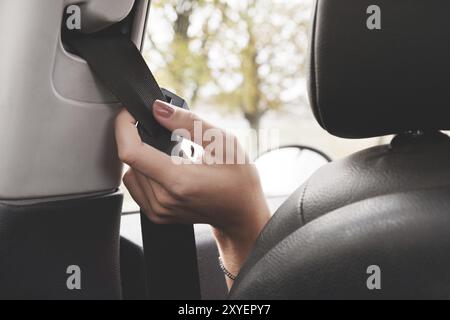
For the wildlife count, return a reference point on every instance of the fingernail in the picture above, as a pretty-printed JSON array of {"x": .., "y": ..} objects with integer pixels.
[{"x": 163, "y": 109}]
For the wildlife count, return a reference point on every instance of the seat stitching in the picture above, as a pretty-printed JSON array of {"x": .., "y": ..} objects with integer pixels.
[{"x": 300, "y": 207}]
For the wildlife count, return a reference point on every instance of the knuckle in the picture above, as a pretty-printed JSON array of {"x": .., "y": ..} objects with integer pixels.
[
  {"x": 125, "y": 154},
  {"x": 192, "y": 116},
  {"x": 128, "y": 177},
  {"x": 165, "y": 199},
  {"x": 191, "y": 119},
  {"x": 161, "y": 212},
  {"x": 128, "y": 154},
  {"x": 180, "y": 190}
]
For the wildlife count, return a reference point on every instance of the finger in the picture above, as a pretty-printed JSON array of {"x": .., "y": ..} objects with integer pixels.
[
  {"x": 140, "y": 156},
  {"x": 138, "y": 195},
  {"x": 160, "y": 210},
  {"x": 136, "y": 191},
  {"x": 174, "y": 119},
  {"x": 126, "y": 131},
  {"x": 162, "y": 196},
  {"x": 163, "y": 204}
]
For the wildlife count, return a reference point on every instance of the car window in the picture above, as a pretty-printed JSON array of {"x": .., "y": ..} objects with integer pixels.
[{"x": 241, "y": 64}]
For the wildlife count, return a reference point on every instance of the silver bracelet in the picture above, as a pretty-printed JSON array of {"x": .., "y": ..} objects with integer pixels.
[{"x": 225, "y": 270}]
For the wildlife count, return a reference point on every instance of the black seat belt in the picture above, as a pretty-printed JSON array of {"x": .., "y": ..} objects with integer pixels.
[{"x": 170, "y": 250}]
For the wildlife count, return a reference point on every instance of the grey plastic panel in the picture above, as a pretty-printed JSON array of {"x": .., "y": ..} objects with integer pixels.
[
  {"x": 99, "y": 14},
  {"x": 56, "y": 121}
]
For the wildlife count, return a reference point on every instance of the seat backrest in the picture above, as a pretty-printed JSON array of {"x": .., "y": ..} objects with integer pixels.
[{"x": 374, "y": 225}]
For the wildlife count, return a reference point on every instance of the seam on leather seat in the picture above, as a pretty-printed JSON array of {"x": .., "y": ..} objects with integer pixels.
[
  {"x": 300, "y": 206},
  {"x": 375, "y": 195}
]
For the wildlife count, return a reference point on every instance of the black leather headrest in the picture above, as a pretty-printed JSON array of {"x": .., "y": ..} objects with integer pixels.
[{"x": 367, "y": 82}]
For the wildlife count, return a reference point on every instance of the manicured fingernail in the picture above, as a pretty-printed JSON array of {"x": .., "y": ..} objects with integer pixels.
[{"x": 163, "y": 109}]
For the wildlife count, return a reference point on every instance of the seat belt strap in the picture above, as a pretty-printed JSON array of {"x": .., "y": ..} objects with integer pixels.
[{"x": 170, "y": 250}]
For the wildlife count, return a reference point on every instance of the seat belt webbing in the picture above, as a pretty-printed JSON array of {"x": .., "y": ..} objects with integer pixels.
[{"x": 170, "y": 250}]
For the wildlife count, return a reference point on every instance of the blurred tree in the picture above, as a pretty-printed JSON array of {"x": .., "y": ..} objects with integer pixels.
[
  {"x": 249, "y": 53},
  {"x": 183, "y": 52}
]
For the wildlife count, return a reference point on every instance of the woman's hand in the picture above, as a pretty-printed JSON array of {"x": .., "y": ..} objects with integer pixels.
[{"x": 222, "y": 190}]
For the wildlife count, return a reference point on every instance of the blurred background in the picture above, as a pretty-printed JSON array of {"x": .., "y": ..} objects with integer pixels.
[{"x": 241, "y": 64}]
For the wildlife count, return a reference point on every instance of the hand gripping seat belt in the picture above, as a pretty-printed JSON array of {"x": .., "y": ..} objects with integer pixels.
[{"x": 169, "y": 250}]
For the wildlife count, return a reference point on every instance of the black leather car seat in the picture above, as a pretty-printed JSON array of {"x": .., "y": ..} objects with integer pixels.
[{"x": 387, "y": 206}]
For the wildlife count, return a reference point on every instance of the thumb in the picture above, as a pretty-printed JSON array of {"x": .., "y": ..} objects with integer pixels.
[{"x": 174, "y": 118}]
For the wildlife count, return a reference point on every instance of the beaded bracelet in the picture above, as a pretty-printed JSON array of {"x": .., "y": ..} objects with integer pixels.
[{"x": 225, "y": 270}]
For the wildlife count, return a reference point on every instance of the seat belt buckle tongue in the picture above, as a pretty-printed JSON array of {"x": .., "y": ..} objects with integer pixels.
[
  {"x": 175, "y": 99},
  {"x": 164, "y": 141}
]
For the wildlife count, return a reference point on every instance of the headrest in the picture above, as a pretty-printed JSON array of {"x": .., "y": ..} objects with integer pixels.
[{"x": 380, "y": 67}]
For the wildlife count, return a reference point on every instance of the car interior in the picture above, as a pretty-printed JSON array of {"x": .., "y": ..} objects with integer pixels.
[{"x": 61, "y": 200}]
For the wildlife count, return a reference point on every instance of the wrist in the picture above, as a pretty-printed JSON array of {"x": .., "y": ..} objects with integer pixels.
[{"x": 236, "y": 243}]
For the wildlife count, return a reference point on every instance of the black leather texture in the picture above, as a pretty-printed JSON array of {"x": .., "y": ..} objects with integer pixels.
[
  {"x": 387, "y": 206},
  {"x": 132, "y": 270},
  {"x": 367, "y": 83},
  {"x": 38, "y": 242}
]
